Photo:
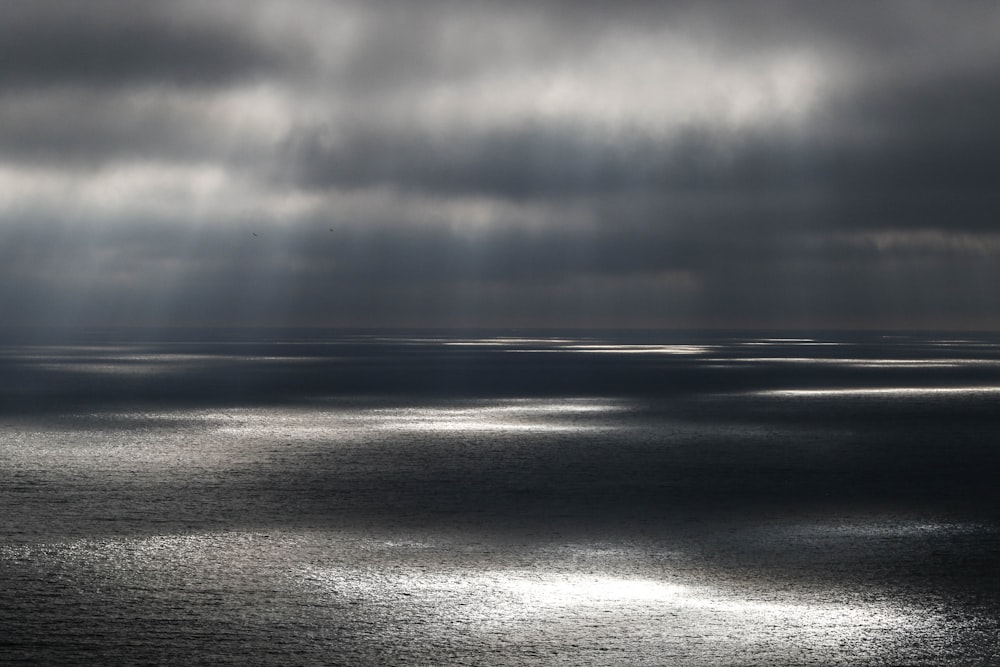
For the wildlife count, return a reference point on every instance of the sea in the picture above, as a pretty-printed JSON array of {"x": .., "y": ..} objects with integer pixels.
[{"x": 362, "y": 497}]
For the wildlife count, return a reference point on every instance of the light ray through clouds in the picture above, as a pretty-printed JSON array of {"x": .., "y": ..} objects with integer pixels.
[{"x": 546, "y": 164}]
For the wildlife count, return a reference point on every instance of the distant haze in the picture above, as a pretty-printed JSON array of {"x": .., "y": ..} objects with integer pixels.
[{"x": 551, "y": 164}]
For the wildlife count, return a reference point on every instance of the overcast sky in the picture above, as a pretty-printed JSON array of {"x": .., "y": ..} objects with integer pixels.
[{"x": 459, "y": 163}]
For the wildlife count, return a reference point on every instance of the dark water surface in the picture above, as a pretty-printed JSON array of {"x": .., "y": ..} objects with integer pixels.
[{"x": 260, "y": 497}]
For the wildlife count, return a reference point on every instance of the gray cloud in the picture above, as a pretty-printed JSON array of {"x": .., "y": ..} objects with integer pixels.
[
  {"x": 511, "y": 162},
  {"x": 547, "y": 163},
  {"x": 107, "y": 43}
]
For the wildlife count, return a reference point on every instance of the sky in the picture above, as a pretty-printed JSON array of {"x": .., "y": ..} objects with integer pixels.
[{"x": 553, "y": 163}]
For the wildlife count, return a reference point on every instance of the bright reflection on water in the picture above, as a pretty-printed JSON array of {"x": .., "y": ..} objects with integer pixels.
[
  {"x": 532, "y": 593},
  {"x": 879, "y": 529},
  {"x": 637, "y": 618},
  {"x": 510, "y": 415},
  {"x": 776, "y": 342},
  {"x": 115, "y": 361},
  {"x": 345, "y": 597},
  {"x": 502, "y": 341},
  {"x": 881, "y": 391},
  {"x": 672, "y": 516},
  {"x": 861, "y": 363},
  {"x": 504, "y": 416},
  {"x": 607, "y": 348},
  {"x": 639, "y": 349}
]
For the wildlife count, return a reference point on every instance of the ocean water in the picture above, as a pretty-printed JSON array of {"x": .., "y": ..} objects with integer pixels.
[{"x": 475, "y": 498}]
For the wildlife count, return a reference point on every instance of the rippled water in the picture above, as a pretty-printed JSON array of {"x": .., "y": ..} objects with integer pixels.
[{"x": 376, "y": 499}]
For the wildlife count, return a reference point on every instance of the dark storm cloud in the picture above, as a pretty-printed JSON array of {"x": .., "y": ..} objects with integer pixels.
[
  {"x": 513, "y": 162},
  {"x": 907, "y": 138},
  {"x": 639, "y": 163},
  {"x": 86, "y": 84},
  {"x": 106, "y": 43},
  {"x": 549, "y": 160},
  {"x": 381, "y": 274},
  {"x": 101, "y": 130},
  {"x": 923, "y": 153}
]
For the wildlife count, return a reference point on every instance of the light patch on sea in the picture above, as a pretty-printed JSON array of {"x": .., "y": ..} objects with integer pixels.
[
  {"x": 328, "y": 532},
  {"x": 892, "y": 392},
  {"x": 417, "y": 599}
]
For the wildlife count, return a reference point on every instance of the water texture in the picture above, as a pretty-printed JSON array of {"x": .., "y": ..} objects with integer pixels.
[{"x": 560, "y": 499}]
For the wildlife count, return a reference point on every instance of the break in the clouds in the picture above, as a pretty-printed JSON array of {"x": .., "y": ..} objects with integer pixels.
[{"x": 482, "y": 163}]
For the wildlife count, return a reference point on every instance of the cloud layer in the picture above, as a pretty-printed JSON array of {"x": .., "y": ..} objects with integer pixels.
[{"x": 554, "y": 164}]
